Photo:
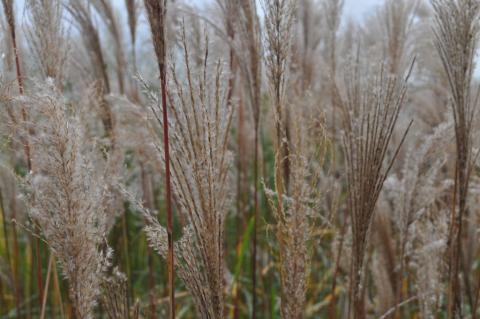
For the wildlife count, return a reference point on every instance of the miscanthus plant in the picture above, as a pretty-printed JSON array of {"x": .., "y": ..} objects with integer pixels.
[
  {"x": 66, "y": 196},
  {"x": 74, "y": 126},
  {"x": 371, "y": 103},
  {"x": 200, "y": 120},
  {"x": 456, "y": 31},
  {"x": 414, "y": 195},
  {"x": 292, "y": 197}
]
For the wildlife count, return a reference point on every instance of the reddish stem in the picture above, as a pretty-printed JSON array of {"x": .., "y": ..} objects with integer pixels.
[
  {"x": 26, "y": 144},
  {"x": 168, "y": 189}
]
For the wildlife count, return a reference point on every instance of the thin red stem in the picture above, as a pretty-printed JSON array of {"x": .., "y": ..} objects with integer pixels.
[
  {"x": 168, "y": 190},
  {"x": 26, "y": 144}
]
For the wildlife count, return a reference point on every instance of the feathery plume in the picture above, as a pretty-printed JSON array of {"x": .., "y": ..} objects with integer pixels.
[
  {"x": 200, "y": 123},
  {"x": 371, "y": 105},
  {"x": 291, "y": 200},
  {"x": 66, "y": 197}
]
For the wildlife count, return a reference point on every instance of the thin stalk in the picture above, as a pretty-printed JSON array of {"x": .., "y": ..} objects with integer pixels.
[
  {"x": 331, "y": 308},
  {"x": 58, "y": 293},
  {"x": 30, "y": 282},
  {"x": 38, "y": 263},
  {"x": 477, "y": 295},
  {"x": 398, "y": 292},
  {"x": 239, "y": 203},
  {"x": 7, "y": 248},
  {"x": 255, "y": 100},
  {"x": 157, "y": 15},
  {"x": 242, "y": 196},
  {"x": 466, "y": 280},
  {"x": 3, "y": 302},
  {"x": 148, "y": 202},
  {"x": 255, "y": 224},
  {"x": 168, "y": 186},
  {"x": 8, "y": 8},
  {"x": 47, "y": 283},
  {"x": 16, "y": 283},
  {"x": 126, "y": 251},
  {"x": 151, "y": 282},
  {"x": 451, "y": 242}
]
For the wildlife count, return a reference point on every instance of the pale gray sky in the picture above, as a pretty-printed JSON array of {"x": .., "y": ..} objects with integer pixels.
[
  {"x": 358, "y": 8},
  {"x": 352, "y": 8}
]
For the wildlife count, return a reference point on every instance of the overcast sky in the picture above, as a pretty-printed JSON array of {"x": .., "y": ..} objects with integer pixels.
[
  {"x": 352, "y": 8},
  {"x": 358, "y": 8}
]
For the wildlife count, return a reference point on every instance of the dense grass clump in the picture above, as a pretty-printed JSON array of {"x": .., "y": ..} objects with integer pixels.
[{"x": 238, "y": 159}]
